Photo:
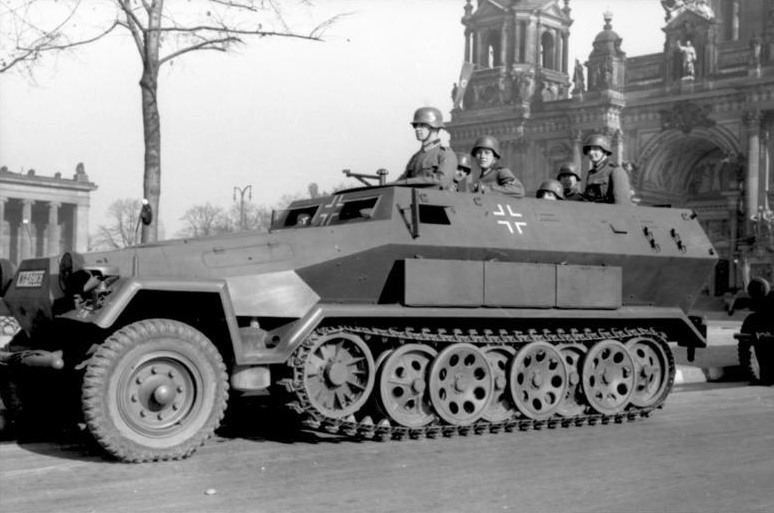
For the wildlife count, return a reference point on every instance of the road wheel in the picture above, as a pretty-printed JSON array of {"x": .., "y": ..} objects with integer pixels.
[
  {"x": 608, "y": 377},
  {"x": 154, "y": 390}
]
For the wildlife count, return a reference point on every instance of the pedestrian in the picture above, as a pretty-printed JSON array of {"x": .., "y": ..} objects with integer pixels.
[
  {"x": 550, "y": 190},
  {"x": 494, "y": 178},
  {"x": 571, "y": 182},
  {"x": 606, "y": 182},
  {"x": 462, "y": 174},
  {"x": 434, "y": 164}
]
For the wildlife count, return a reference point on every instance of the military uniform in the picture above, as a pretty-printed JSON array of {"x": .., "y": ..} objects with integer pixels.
[
  {"x": 502, "y": 180},
  {"x": 433, "y": 164},
  {"x": 574, "y": 195},
  {"x": 461, "y": 186},
  {"x": 608, "y": 183}
]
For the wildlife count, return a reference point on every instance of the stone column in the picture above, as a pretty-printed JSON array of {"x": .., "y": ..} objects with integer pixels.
[
  {"x": 504, "y": 43},
  {"x": 81, "y": 228},
  {"x": 477, "y": 49},
  {"x": 5, "y": 246},
  {"x": 529, "y": 43},
  {"x": 752, "y": 176},
  {"x": 565, "y": 52},
  {"x": 26, "y": 247},
  {"x": 618, "y": 140},
  {"x": 558, "y": 50},
  {"x": 53, "y": 228},
  {"x": 764, "y": 176},
  {"x": 577, "y": 155},
  {"x": 517, "y": 41}
]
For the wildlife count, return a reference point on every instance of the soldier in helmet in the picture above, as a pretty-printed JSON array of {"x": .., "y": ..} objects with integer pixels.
[
  {"x": 550, "y": 190},
  {"x": 606, "y": 182},
  {"x": 570, "y": 179},
  {"x": 461, "y": 175},
  {"x": 434, "y": 164},
  {"x": 494, "y": 178}
]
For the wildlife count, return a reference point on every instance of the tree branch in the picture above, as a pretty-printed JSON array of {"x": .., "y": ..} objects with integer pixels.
[
  {"x": 133, "y": 24},
  {"x": 204, "y": 45}
]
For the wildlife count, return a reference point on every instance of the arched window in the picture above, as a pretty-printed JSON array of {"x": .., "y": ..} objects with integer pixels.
[
  {"x": 547, "y": 51},
  {"x": 492, "y": 50}
]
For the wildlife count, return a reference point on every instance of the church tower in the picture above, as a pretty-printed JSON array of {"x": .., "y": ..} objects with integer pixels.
[
  {"x": 515, "y": 69},
  {"x": 516, "y": 54}
]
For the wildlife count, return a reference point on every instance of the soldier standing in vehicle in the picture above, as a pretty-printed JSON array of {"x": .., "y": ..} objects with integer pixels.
[
  {"x": 570, "y": 179},
  {"x": 434, "y": 164},
  {"x": 606, "y": 182},
  {"x": 462, "y": 174},
  {"x": 550, "y": 190},
  {"x": 494, "y": 178}
]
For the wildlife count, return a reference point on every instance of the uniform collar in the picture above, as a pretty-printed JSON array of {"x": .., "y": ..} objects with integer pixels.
[
  {"x": 430, "y": 144},
  {"x": 602, "y": 163}
]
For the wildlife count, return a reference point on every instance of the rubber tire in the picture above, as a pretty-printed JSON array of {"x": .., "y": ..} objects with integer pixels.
[{"x": 125, "y": 350}]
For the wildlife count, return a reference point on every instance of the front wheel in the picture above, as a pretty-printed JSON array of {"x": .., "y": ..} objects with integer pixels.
[{"x": 154, "y": 390}]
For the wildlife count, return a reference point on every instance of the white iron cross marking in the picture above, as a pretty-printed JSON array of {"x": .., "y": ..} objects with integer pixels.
[
  {"x": 511, "y": 224},
  {"x": 330, "y": 210}
]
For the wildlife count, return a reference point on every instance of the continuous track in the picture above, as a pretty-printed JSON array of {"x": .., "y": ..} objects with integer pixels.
[{"x": 367, "y": 421}]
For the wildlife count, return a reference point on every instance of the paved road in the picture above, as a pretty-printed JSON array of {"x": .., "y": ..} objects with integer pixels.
[{"x": 711, "y": 449}]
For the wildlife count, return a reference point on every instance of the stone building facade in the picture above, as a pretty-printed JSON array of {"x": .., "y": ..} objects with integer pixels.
[
  {"x": 694, "y": 123},
  {"x": 42, "y": 215}
]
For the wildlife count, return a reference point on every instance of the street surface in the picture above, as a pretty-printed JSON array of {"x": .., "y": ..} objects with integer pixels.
[{"x": 711, "y": 449}]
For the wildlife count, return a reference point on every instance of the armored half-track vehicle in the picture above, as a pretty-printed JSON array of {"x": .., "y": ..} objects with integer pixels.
[{"x": 384, "y": 312}]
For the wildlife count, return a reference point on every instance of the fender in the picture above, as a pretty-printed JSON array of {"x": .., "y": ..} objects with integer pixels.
[
  {"x": 126, "y": 290},
  {"x": 673, "y": 321}
]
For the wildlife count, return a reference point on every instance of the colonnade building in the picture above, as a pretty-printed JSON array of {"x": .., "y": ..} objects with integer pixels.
[
  {"x": 693, "y": 124},
  {"x": 42, "y": 215}
]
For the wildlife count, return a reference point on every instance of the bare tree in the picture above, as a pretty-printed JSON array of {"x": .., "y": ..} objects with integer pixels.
[
  {"x": 121, "y": 230},
  {"x": 204, "y": 220},
  {"x": 161, "y": 33}
]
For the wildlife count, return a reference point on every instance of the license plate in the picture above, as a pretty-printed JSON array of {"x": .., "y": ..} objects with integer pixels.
[{"x": 29, "y": 279}]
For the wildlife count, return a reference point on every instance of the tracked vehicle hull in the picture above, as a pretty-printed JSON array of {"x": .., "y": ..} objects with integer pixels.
[{"x": 385, "y": 312}]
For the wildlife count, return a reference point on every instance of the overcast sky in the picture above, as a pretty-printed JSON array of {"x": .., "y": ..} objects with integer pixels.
[{"x": 277, "y": 115}]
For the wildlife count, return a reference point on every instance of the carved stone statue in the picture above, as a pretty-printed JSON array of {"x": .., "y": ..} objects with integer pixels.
[
  {"x": 755, "y": 51},
  {"x": 689, "y": 59},
  {"x": 580, "y": 83}
]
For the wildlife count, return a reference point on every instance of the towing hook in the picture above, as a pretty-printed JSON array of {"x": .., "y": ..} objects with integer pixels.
[{"x": 33, "y": 358}]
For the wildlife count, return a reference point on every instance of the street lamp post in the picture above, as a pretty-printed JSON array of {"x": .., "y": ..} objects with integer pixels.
[{"x": 242, "y": 190}]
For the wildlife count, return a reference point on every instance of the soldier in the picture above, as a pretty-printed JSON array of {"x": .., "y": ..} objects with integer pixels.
[
  {"x": 462, "y": 174},
  {"x": 568, "y": 175},
  {"x": 494, "y": 178},
  {"x": 434, "y": 164},
  {"x": 550, "y": 190},
  {"x": 606, "y": 182}
]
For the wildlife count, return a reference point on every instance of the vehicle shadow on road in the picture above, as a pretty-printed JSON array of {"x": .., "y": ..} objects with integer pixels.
[{"x": 255, "y": 419}]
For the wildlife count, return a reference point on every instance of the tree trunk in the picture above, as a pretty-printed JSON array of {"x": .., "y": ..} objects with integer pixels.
[
  {"x": 151, "y": 121},
  {"x": 152, "y": 131}
]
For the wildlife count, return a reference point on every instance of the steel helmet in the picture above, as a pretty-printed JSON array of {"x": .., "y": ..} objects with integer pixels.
[
  {"x": 429, "y": 116},
  {"x": 551, "y": 186},
  {"x": 568, "y": 168},
  {"x": 598, "y": 140},
  {"x": 463, "y": 161},
  {"x": 486, "y": 141}
]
